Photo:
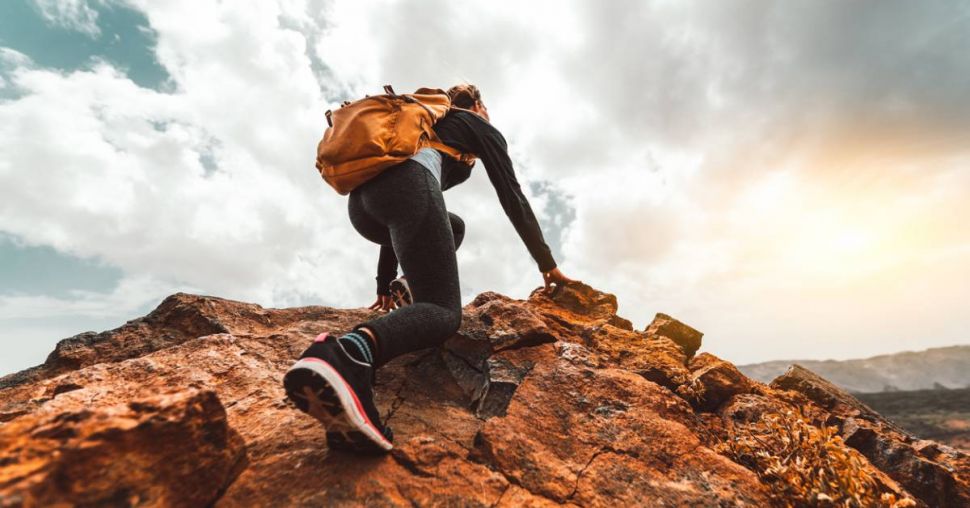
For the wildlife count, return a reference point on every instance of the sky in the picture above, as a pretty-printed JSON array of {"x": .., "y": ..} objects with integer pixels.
[{"x": 790, "y": 178}]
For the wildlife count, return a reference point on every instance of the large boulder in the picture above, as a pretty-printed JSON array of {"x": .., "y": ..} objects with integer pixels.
[{"x": 169, "y": 450}]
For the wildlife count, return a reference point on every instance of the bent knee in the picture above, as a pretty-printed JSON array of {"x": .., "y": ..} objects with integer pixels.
[
  {"x": 454, "y": 320},
  {"x": 450, "y": 322},
  {"x": 457, "y": 229}
]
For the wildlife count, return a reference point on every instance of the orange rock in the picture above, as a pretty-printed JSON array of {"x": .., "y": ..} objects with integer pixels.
[
  {"x": 715, "y": 381},
  {"x": 608, "y": 436},
  {"x": 746, "y": 415},
  {"x": 937, "y": 475},
  {"x": 684, "y": 336},
  {"x": 171, "y": 450},
  {"x": 553, "y": 399},
  {"x": 577, "y": 302}
]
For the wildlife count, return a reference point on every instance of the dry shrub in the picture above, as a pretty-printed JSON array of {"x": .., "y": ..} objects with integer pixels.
[
  {"x": 692, "y": 390},
  {"x": 805, "y": 465}
]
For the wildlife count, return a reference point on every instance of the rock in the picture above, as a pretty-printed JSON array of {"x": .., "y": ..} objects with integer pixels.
[
  {"x": 581, "y": 299},
  {"x": 170, "y": 450},
  {"x": 658, "y": 360},
  {"x": 505, "y": 374},
  {"x": 488, "y": 379},
  {"x": 715, "y": 381},
  {"x": 179, "y": 318},
  {"x": 684, "y": 336},
  {"x": 575, "y": 435},
  {"x": 494, "y": 324},
  {"x": 551, "y": 400},
  {"x": 505, "y": 324},
  {"x": 579, "y": 302},
  {"x": 748, "y": 417},
  {"x": 933, "y": 476},
  {"x": 823, "y": 393}
]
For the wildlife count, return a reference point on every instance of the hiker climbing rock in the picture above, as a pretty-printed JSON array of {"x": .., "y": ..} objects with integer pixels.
[{"x": 396, "y": 201}]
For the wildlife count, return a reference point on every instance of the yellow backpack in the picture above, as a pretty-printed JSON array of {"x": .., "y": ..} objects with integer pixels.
[{"x": 367, "y": 136}]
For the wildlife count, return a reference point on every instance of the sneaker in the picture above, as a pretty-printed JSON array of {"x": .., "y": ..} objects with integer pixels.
[
  {"x": 401, "y": 292},
  {"x": 331, "y": 386}
]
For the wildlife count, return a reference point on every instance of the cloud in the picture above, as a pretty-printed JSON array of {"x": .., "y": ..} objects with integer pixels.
[
  {"x": 32, "y": 324},
  {"x": 71, "y": 14},
  {"x": 768, "y": 172},
  {"x": 10, "y": 59},
  {"x": 211, "y": 186},
  {"x": 127, "y": 297},
  {"x": 718, "y": 156}
]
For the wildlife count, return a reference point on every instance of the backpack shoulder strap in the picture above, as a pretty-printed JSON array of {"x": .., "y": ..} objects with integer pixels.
[
  {"x": 465, "y": 158},
  {"x": 435, "y": 142}
]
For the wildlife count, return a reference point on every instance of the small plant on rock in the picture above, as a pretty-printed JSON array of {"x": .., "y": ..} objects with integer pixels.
[{"x": 806, "y": 465}]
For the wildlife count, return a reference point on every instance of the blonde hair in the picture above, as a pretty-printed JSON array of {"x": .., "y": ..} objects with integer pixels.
[{"x": 464, "y": 95}]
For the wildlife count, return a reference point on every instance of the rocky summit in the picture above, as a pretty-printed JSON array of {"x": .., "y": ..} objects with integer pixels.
[{"x": 551, "y": 400}]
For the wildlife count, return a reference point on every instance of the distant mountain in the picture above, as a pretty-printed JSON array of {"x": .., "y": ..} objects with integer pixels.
[{"x": 945, "y": 367}]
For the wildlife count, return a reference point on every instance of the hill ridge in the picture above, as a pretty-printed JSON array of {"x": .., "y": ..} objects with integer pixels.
[{"x": 947, "y": 367}]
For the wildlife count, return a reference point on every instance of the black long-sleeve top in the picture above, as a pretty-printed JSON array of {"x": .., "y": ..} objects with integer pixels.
[{"x": 470, "y": 133}]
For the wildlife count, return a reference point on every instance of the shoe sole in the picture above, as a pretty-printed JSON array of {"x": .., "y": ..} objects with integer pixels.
[
  {"x": 400, "y": 293},
  {"x": 316, "y": 388}
]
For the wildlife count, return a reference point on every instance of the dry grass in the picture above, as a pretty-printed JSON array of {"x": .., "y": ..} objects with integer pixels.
[{"x": 806, "y": 465}]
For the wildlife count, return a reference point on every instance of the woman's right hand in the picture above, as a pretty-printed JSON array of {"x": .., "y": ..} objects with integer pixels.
[
  {"x": 383, "y": 303},
  {"x": 556, "y": 277}
]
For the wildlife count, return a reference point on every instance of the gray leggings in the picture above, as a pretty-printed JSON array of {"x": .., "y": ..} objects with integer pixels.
[{"x": 404, "y": 207}]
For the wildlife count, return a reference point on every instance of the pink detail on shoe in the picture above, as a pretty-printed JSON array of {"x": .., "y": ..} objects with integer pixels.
[
  {"x": 350, "y": 390},
  {"x": 322, "y": 337}
]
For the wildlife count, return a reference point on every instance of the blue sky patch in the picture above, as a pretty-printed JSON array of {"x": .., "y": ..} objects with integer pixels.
[
  {"x": 561, "y": 212},
  {"x": 28, "y": 270},
  {"x": 125, "y": 40}
]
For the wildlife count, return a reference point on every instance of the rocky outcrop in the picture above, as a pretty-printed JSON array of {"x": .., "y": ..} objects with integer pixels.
[
  {"x": 174, "y": 450},
  {"x": 684, "y": 336},
  {"x": 550, "y": 400},
  {"x": 716, "y": 381},
  {"x": 934, "y": 473}
]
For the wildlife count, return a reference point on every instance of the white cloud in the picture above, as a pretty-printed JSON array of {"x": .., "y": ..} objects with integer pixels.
[
  {"x": 768, "y": 173},
  {"x": 96, "y": 166},
  {"x": 72, "y": 14},
  {"x": 718, "y": 101},
  {"x": 11, "y": 59},
  {"x": 130, "y": 295}
]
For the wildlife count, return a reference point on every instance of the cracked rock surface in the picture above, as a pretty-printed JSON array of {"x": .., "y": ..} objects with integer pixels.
[{"x": 550, "y": 400}]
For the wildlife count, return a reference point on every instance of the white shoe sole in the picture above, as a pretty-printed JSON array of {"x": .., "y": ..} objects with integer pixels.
[
  {"x": 401, "y": 293},
  {"x": 313, "y": 384}
]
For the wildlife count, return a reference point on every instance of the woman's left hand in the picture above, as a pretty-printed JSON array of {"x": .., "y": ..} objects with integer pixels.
[{"x": 384, "y": 303}]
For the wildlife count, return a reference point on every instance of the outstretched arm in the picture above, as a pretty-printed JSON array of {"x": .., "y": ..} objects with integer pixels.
[
  {"x": 516, "y": 205},
  {"x": 485, "y": 141},
  {"x": 386, "y": 269}
]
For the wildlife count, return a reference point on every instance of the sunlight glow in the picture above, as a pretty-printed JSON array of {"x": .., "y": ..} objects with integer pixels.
[
  {"x": 851, "y": 241},
  {"x": 812, "y": 236}
]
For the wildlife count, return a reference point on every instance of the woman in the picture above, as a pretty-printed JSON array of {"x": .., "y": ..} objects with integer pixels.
[{"x": 403, "y": 210}]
